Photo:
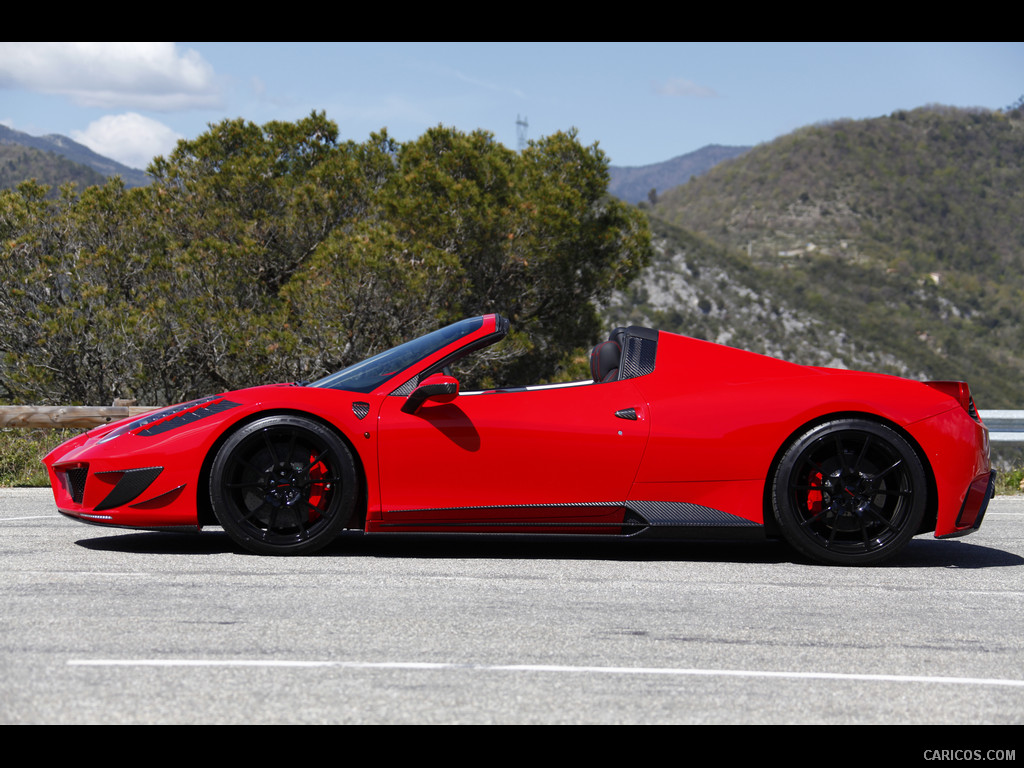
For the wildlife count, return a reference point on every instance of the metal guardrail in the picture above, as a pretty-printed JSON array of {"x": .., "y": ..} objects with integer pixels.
[{"x": 1004, "y": 426}]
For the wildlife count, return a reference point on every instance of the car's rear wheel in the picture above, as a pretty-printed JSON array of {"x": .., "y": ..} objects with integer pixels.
[
  {"x": 283, "y": 485},
  {"x": 849, "y": 492}
]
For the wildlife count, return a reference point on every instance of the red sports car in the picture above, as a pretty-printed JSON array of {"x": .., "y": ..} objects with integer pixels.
[{"x": 673, "y": 437}]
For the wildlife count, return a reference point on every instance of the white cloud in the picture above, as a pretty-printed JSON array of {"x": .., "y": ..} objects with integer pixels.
[
  {"x": 486, "y": 84},
  {"x": 129, "y": 138},
  {"x": 139, "y": 75},
  {"x": 681, "y": 87}
]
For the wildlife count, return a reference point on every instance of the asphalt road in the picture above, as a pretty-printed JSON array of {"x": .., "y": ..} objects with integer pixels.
[{"x": 103, "y": 626}]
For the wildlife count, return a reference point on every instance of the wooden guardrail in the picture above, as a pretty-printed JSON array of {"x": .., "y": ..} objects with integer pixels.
[{"x": 59, "y": 416}]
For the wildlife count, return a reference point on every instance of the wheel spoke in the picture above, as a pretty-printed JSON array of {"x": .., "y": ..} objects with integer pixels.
[
  {"x": 245, "y": 461},
  {"x": 817, "y": 517},
  {"x": 885, "y": 472},
  {"x": 301, "y": 522},
  {"x": 886, "y": 523},
  {"x": 817, "y": 488},
  {"x": 253, "y": 484},
  {"x": 254, "y": 512},
  {"x": 316, "y": 459},
  {"x": 275, "y": 512},
  {"x": 270, "y": 447},
  {"x": 863, "y": 453},
  {"x": 324, "y": 480},
  {"x": 892, "y": 492},
  {"x": 832, "y": 534},
  {"x": 864, "y": 534},
  {"x": 841, "y": 454}
]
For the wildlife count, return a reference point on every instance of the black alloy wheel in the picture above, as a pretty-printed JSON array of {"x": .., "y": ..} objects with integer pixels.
[
  {"x": 283, "y": 485},
  {"x": 849, "y": 492}
]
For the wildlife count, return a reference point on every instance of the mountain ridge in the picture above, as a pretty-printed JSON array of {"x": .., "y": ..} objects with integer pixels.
[
  {"x": 636, "y": 184},
  {"x": 75, "y": 152}
]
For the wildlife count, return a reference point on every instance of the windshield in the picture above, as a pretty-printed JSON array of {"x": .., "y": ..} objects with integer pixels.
[{"x": 371, "y": 373}]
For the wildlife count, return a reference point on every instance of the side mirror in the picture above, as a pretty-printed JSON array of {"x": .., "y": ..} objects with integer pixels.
[{"x": 437, "y": 388}]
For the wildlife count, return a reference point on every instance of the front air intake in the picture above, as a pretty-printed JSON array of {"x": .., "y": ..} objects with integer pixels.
[{"x": 76, "y": 482}]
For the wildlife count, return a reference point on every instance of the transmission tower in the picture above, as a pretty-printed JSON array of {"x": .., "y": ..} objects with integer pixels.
[{"x": 521, "y": 128}]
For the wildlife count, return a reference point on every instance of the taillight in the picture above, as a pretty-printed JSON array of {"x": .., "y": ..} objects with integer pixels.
[{"x": 959, "y": 391}]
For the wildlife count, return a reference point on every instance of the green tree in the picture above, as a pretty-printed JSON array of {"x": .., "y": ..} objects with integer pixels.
[{"x": 279, "y": 252}]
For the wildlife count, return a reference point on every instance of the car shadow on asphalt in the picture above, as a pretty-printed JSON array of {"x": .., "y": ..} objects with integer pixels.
[{"x": 920, "y": 553}]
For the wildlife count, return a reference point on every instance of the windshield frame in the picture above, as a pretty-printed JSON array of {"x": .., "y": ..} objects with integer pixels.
[{"x": 374, "y": 372}]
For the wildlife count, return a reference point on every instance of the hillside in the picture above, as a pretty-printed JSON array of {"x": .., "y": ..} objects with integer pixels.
[
  {"x": 72, "y": 151},
  {"x": 894, "y": 244},
  {"x": 19, "y": 163}
]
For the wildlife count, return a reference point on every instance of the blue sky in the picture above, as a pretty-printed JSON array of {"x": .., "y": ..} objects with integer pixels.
[{"x": 642, "y": 102}]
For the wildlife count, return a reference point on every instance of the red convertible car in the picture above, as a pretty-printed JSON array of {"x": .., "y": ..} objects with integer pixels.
[{"x": 673, "y": 437}]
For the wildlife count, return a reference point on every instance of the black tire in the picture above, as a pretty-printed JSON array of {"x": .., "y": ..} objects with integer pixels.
[
  {"x": 849, "y": 492},
  {"x": 283, "y": 485}
]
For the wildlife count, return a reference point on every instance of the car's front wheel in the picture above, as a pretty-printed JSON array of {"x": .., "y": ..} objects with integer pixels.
[
  {"x": 849, "y": 492},
  {"x": 283, "y": 485}
]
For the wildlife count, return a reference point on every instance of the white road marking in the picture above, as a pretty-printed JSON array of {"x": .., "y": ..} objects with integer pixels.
[{"x": 553, "y": 668}]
